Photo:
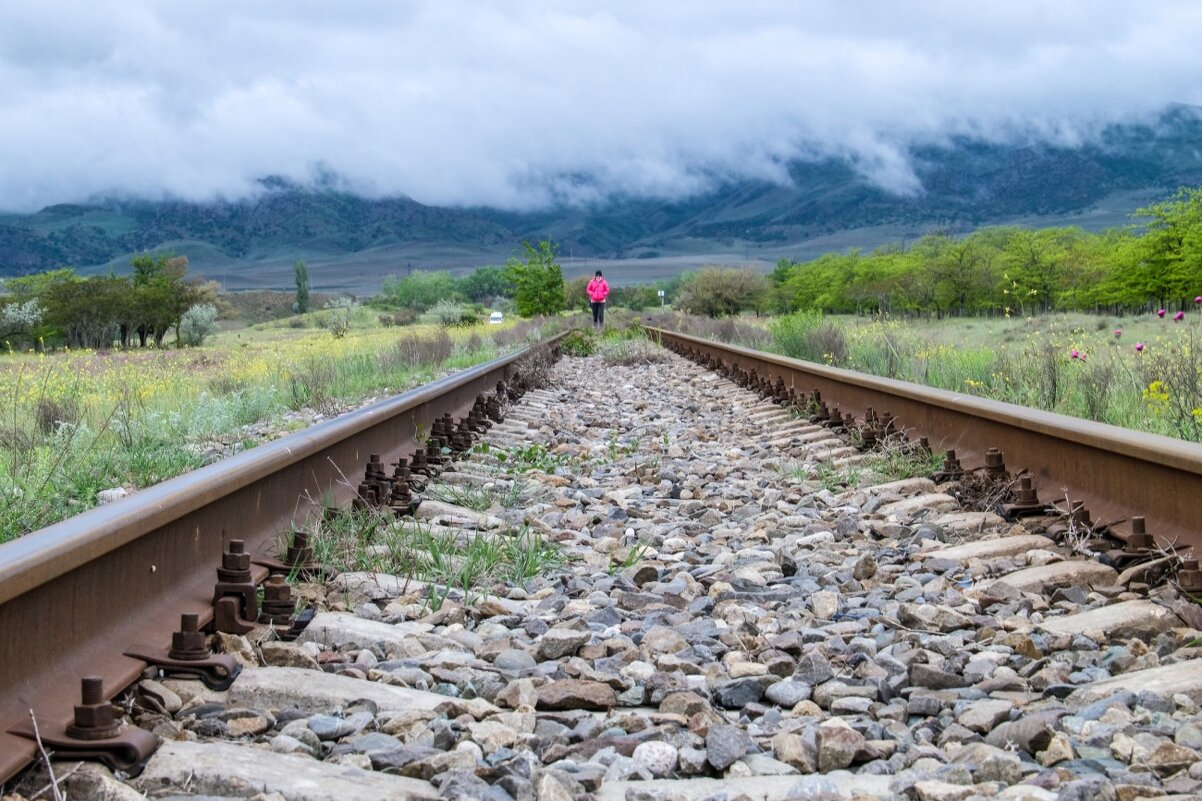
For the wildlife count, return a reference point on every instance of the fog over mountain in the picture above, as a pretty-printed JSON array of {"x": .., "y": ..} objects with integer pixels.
[{"x": 530, "y": 104}]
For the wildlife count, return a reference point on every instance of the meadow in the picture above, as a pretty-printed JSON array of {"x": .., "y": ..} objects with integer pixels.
[
  {"x": 76, "y": 423},
  {"x": 1142, "y": 372}
]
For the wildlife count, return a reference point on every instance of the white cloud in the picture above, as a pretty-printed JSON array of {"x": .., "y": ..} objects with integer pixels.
[{"x": 510, "y": 102}]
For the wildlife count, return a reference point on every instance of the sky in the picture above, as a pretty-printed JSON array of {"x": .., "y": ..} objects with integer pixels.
[{"x": 524, "y": 103}]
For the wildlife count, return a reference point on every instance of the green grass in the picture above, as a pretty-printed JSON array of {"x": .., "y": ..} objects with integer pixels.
[
  {"x": 1026, "y": 361},
  {"x": 468, "y": 561},
  {"x": 73, "y": 424}
]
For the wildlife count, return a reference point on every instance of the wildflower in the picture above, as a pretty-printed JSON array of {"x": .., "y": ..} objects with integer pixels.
[
  {"x": 1179, "y": 316},
  {"x": 1198, "y": 299},
  {"x": 1118, "y": 332},
  {"x": 1139, "y": 346},
  {"x": 1160, "y": 312},
  {"x": 1076, "y": 355}
]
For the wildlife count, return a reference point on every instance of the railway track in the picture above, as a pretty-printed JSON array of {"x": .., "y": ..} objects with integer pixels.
[{"x": 751, "y": 604}]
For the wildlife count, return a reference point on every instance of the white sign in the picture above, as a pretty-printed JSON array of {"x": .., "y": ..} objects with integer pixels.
[{"x": 661, "y": 293}]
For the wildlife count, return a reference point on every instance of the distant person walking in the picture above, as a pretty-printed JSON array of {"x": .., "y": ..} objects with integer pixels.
[{"x": 597, "y": 291}]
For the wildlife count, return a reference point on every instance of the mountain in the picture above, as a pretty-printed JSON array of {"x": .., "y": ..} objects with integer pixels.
[{"x": 825, "y": 204}]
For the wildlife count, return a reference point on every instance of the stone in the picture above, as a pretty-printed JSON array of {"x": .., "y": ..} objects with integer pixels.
[
  {"x": 1183, "y": 678},
  {"x": 576, "y": 694},
  {"x": 788, "y": 693},
  {"x": 314, "y": 691},
  {"x": 225, "y": 769},
  {"x": 514, "y": 660},
  {"x": 1044, "y": 578},
  {"x": 982, "y": 716},
  {"x": 930, "y": 617},
  {"x": 286, "y": 654},
  {"x": 825, "y": 604},
  {"x": 1060, "y": 749},
  {"x": 663, "y": 640},
  {"x": 761, "y": 788},
  {"x": 933, "y": 790},
  {"x": 658, "y": 758},
  {"x": 990, "y": 549},
  {"x": 1127, "y": 620},
  {"x": 813, "y": 668},
  {"x": 343, "y": 631},
  {"x": 724, "y": 744},
  {"x": 790, "y": 749},
  {"x": 837, "y": 746},
  {"x": 559, "y": 642}
]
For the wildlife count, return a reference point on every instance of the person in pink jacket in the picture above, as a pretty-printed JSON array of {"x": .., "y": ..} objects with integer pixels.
[{"x": 598, "y": 291}]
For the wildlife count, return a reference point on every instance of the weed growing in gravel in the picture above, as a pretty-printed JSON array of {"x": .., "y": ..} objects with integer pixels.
[
  {"x": 835, "y": 479},
  {"x": 630, "y": 352},
  {"x": 632, "y": 557},
  {"x": 468, "y": 561},
  {"x": 531, "y": 457},
  {"x": 898, "y": 459},
  {"x": 477, "y": 497}
]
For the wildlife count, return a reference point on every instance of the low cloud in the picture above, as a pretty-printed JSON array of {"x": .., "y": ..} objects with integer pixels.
[{"x": 520, "y": 104}]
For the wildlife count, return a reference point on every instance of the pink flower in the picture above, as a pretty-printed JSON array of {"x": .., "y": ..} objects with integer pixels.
[
  {"x": 1178, "y": 317},
  {"x": 1076, "y": 355},
  {"x": 1139, "y": 346},
  {"x": 1198, "y": 299},
  {"x": 1118, "y": 332},
  {"x": 1082, "y": 357},
  {"x": 1160, "y": 313}
]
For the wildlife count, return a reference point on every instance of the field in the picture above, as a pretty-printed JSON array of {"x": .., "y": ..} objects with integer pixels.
[
  {"x": 1142, "y": 372},
  {"x": 75, "y": 424}
]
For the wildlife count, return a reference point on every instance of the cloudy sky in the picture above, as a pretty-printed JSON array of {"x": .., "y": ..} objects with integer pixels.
[{"x": 512, "y": 102}]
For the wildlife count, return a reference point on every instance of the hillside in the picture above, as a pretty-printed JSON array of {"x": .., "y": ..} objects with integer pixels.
[{"x": 826, "y": 204}]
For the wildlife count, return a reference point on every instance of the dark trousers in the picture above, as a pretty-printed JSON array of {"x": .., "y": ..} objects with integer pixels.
[{"x": 598, "y": 312}]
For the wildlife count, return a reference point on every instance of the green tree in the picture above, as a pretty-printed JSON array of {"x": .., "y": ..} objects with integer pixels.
[
  {"x": 576, "y": 294},
  {"x": 538, "y": 281},
  {"x": 724, "y": 291},
  {"x": 301, "y": 271},
  {"x": 485, "y": 285},
  {"x": 419, "y": 290}
]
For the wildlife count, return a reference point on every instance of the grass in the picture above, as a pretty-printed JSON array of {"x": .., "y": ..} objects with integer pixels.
[
  {"x": 75, "y": 423},
  {"x": 1026, "y": 361},
  {"x": 468, "y": 561}
]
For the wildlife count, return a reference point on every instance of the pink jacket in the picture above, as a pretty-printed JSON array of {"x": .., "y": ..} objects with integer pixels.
[{"x": 597, "y": 290}]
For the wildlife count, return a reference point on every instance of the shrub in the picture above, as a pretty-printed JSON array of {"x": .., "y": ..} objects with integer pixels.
[
  {"x": 337, "y": 318},
  {"x": 723, "y": 292},
  {"x": 579, "y": 343},
  {"x": 791, "y": 334},
  {"x": 197, "y": 323},
  {"x": 447, "y": 312},
  {"x": 416, "y": 351}
]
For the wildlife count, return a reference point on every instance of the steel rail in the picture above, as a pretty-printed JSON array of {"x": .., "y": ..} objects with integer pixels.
[
  {"x": 1118, "y": 473},
  {"x": 75, "y": 595}
]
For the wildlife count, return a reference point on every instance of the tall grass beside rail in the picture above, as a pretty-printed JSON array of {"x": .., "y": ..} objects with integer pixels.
[
  {"x": 1142, "y": 372},
  {"x": 75, "y": 423}
]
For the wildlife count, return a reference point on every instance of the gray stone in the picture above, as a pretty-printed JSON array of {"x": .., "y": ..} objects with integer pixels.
[
  {"x": 224, "y": 769},
  {"x": 558, "y": 643},
  {"x": 313, "y": 691},
  {"x": 788, "y": 693},
  {"x": 724, "y": 744}
]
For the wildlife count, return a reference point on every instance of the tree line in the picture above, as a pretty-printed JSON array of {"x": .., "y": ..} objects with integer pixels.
[
  {"x": 1010, "y": 270},
  {"x": 530, "y": 286},
  {"x": 60, "y": 307}
]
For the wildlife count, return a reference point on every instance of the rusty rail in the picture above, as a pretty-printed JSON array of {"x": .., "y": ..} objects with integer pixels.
[
  {"x": 75, "y": 597},
  {"x": 1116, "y": 472}
]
